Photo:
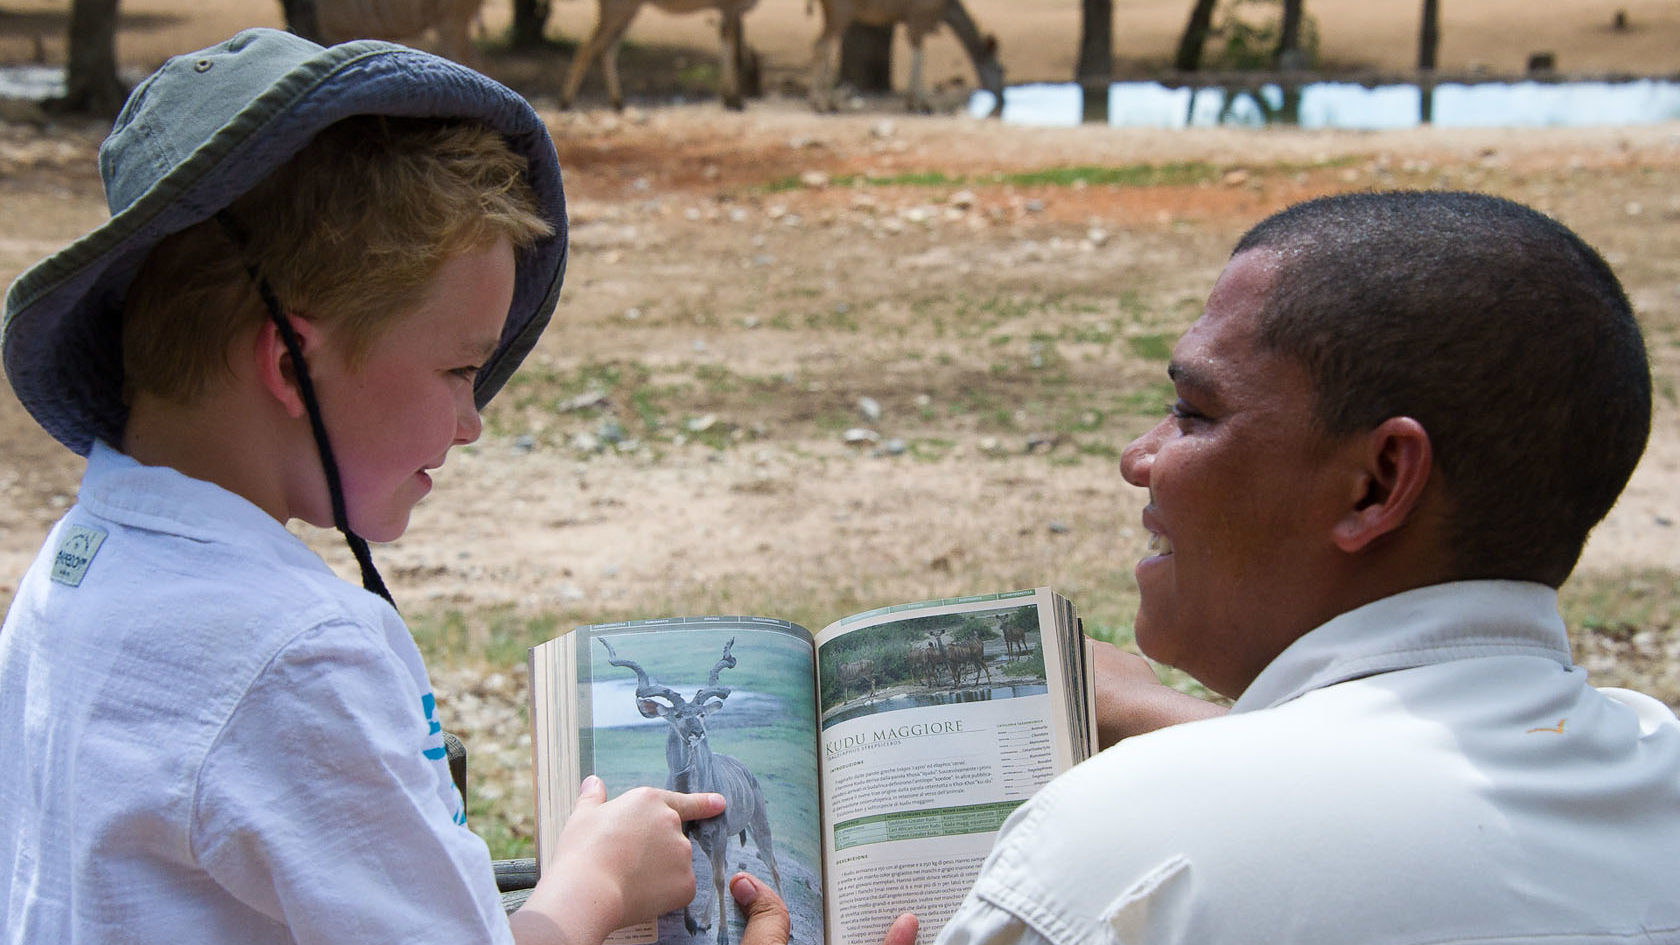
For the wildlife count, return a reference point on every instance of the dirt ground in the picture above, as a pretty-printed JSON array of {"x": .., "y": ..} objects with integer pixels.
[{"x": 805, "y": 364}]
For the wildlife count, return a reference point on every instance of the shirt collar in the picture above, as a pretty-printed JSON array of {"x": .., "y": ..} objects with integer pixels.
[
  {"x": 1419, "y": 627},
  {"x": 119, "y": 488}
]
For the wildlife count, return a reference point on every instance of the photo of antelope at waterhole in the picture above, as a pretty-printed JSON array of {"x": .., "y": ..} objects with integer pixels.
[
  {"x": 727, "y": 707},
  {"x": 946, "y": 659}
]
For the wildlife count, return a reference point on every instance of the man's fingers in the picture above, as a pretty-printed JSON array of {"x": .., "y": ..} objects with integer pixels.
[
  {"x": 695, "y": 806},
  {"x": 902, "y": 931},
  {"x": 768, "y": 922}
]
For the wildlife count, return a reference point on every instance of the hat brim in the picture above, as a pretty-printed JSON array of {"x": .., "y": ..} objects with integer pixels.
[{"x": 62, "y": 329}]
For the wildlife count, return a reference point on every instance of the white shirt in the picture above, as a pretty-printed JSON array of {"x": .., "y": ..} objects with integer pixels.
[
  {"x": 1429, "y": 768},
  {"x": 210, "y": 737}
]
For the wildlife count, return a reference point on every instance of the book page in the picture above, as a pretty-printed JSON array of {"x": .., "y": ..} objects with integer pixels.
[
  {"x": 741, "y": 691},
  {"x": 938, "y": 720}
]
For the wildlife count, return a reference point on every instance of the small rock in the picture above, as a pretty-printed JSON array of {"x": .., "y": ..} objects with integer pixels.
[
  {"x": 859, "y": 436},
  {"x": 870, "y": 408},
  {"x": 583, "y": 401}
]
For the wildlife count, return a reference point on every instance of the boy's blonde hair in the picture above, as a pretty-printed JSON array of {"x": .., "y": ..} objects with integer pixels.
[{"x": 349, "y": 233}]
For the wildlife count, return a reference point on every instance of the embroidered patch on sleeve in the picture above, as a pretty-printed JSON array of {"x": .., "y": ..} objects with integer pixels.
[{"x": 75, "y": 553}]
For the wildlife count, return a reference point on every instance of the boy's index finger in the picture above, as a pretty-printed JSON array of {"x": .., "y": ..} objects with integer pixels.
[{"x": 695, "y": 806}]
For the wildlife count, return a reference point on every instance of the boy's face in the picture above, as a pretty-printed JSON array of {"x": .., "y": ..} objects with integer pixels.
[{"x": 395, "y": 415}]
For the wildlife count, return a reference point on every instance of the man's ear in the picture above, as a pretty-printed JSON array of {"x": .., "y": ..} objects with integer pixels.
[
  {"x": 1396, "y": 460},
  {"x": 275, "y": 370}
]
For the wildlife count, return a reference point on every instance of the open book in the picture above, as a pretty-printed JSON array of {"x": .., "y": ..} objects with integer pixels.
[{"x": 867, "y": 767}]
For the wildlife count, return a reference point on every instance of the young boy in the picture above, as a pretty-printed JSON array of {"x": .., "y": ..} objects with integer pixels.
[{"x": 320, "y": 265}]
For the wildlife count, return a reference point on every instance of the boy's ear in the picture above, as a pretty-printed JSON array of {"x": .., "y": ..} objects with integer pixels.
[
  {"x": 1394, "y": 464},
  {"x": 275, "y": 370}
]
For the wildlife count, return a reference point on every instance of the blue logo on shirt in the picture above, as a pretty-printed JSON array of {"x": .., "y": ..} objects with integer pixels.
[{"x": 438, "y": 751}]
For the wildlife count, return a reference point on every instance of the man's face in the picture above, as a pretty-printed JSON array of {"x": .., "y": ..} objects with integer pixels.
[
  {"x": 397, "y": 413},
  {"x": 1241, "y": 496}
]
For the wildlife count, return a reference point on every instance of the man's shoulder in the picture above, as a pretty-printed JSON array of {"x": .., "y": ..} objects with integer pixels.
[{"x": 1222, "y": 828}]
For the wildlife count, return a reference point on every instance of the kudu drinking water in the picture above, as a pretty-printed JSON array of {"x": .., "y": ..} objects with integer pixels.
[
  {"x": 859, "y": 672},
  {"x": 694, "y": 768},
  {"x": 960, "y": 657}
]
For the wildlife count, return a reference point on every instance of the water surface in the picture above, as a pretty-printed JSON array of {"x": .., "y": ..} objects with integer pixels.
[{"x": 1350, "y": 105}]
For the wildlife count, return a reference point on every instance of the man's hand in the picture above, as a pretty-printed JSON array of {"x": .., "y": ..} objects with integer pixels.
[
  {"x": 768, "y": 922},
  {"x": 1132, "y": 700},
  {"x": 902, "y": 931}
]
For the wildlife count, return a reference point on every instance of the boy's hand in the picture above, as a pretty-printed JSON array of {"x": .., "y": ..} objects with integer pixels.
[{"x": 619, "y": 862}]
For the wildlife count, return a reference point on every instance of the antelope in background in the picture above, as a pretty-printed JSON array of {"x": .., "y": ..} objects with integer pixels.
[
  {"x": 920, "y": 17},
  {"x": 694, "y": 767},
  {"x": 614, "y": 19},
  {"x": 341, "y": 20}
]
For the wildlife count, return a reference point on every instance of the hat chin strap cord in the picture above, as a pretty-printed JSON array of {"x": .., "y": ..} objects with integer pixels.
[{"x": 306, "y": 389}]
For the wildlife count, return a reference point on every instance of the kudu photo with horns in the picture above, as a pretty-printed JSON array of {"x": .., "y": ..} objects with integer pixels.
[{"x": 695, "y": 712}]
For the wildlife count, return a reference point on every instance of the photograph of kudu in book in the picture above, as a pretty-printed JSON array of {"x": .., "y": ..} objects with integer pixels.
[
  {"x": 888, "y": 798},
  {"x": 695, "y": 767},
  {"x": 953, "y": 658}
]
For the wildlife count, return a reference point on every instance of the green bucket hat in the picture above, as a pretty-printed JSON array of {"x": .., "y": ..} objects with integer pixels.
[{"x": 200, "y": 132}]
